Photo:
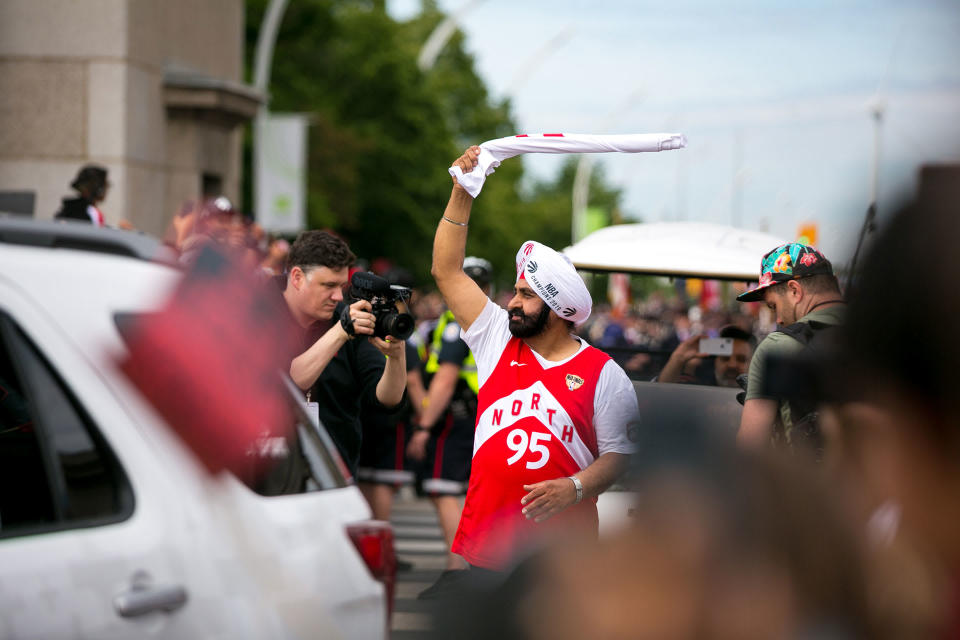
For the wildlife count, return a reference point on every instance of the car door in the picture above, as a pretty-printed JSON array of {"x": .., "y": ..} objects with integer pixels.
[{"x": 101, "y": 536}]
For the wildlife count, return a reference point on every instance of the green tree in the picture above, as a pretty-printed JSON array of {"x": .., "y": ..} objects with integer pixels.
[
  {"x": 383, "y": 134},
  {"x": 378, "y": 145}
]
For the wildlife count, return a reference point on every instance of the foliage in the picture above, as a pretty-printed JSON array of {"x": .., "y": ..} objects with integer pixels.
[{"x": 383, "y": 134}]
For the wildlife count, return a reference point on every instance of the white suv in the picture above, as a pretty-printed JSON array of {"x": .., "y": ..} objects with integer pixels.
[{"x": 109, "y": 527}]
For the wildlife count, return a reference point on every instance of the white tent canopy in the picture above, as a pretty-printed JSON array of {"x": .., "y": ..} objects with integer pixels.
[{"x": 684, "y": 249}]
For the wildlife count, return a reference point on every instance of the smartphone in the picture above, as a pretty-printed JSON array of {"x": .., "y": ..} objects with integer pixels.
[{"x": 716, "y": 346}]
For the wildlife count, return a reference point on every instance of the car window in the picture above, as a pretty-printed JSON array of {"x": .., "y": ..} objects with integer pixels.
[
  {"x": 56, "y": 470},
  {"x": 304, "y": 459}
]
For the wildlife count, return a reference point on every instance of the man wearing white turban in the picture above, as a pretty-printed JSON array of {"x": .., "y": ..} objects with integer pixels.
[{"x": 552, "y": 411}]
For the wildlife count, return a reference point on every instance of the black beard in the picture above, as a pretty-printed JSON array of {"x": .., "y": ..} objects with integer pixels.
[{"x": 524, "y": 326}]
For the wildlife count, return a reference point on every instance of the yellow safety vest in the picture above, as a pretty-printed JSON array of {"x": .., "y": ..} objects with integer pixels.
[{"x": 468, "y": 368}]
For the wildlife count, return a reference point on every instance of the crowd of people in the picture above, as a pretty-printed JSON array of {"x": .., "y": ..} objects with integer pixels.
[{"x": 834, "y": 512}]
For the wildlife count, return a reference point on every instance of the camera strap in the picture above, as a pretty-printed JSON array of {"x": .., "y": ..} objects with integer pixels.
[{"x": 347, "y": 323}]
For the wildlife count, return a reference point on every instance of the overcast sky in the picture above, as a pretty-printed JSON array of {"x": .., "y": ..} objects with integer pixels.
[{"x": 774, "y": 97}]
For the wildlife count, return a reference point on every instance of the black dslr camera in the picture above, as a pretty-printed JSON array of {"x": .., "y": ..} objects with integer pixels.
[{"x": 383, "y": 297}]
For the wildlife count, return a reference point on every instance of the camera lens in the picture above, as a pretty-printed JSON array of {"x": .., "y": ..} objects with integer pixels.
[{"x": 398, "y": 325}]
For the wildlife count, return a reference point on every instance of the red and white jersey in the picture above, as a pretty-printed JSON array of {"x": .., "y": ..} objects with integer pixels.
[{"x": 536, "y": 420}]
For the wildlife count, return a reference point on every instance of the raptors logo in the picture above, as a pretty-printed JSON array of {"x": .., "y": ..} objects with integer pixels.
[
  {"x": 569, "y": 311},
  {"x": 573, "y": 382},
  {"x": 527, "y": 248},
  {"x": 531, "y": 267}
]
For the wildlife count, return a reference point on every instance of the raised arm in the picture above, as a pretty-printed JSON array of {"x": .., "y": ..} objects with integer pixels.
[
  {"x": 462, "y": 295},
  {"x": 684, "y": 353}
]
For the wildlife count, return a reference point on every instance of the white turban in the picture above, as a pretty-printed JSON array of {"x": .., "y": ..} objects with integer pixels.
[{"x": 556, "y": 281}]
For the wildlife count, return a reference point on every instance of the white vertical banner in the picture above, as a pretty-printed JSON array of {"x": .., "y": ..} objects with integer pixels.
[{"x": 280, "y": 170}]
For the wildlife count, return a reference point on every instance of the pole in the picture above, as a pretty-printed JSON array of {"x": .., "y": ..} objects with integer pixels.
[
  {"x": 438, "y": 38},
  {"x": 266, "y": 41},
  {"x": 263, "y": 61},
  {"x": 581, "y": 194},
  {"x": 581, "y": 181},
  {"x": 876, "y": 112},
  {"x": 536, "y": 59}
]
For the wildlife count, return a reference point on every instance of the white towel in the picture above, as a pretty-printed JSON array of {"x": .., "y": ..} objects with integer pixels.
[{"x": 492, "y": 152}]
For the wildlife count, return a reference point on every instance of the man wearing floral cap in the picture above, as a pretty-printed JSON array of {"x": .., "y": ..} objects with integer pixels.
[{"x": 798, "y": 285}]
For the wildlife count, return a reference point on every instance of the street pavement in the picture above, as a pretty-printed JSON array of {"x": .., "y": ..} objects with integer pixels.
[{"x": 419, "y": 541}]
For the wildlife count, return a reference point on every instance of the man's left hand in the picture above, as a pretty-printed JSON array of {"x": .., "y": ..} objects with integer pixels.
[
  {"x": 391, "y": 347},
  {"x": 548, "y": 498}
]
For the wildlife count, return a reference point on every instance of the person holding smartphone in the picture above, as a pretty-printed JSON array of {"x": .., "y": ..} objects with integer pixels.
[{"x": 711, "y": 361}]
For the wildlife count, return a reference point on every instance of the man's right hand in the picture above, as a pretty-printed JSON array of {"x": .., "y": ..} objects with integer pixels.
[
  {"x": 466, "y": 162},
  {"x": 685, "y": 352},
  {"x": 688, "y": 350}
]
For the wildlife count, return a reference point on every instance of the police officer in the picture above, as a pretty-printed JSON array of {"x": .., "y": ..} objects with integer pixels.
[{"x": 443, "y": 440}]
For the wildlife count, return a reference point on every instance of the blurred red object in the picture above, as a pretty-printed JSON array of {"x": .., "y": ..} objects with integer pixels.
[{"x": 211, "y": 361}]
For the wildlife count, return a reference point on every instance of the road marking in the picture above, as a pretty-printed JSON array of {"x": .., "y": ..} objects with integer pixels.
[
  {"x": 407, "y": 621},
  {"x": 420, "y": 546}
]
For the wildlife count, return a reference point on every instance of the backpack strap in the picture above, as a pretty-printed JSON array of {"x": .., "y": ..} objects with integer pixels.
[
  {"x": 803, "y": 332},
  {"x": 805, "y": 430}
]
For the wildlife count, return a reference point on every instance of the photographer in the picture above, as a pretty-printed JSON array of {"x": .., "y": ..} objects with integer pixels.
[{"x": 340, "y": 363}]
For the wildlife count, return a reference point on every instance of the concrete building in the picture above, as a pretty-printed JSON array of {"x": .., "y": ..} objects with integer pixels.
[{"x": 151, "y": 89}]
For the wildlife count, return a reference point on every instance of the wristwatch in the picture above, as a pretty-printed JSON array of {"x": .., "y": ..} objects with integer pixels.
[{"x": 579, "y": 486}]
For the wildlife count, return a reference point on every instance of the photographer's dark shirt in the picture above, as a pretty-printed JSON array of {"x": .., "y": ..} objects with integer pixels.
[{"x": 348, "y": 380}]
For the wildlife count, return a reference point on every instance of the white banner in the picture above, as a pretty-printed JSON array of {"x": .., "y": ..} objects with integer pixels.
[{"x": 280, "y": 170}]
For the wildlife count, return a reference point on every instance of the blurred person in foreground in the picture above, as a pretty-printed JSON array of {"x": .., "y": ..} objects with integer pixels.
[
  {"x": 443, "y": 442},
  {"x": 275, "y": 257},
  {"x": 688, "y": 366},
  {"x": 798, "y": 285},
  {"x": 215, "y": 222},
  {"x": 901, "y": 372},
  {"x": 725, "y": 543},
  {"x": 198, "y": 224},
  {"x": 339, "y": 362},
  {"x": 552, "y": 411},
  {"x": 91, "y": 186}
]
